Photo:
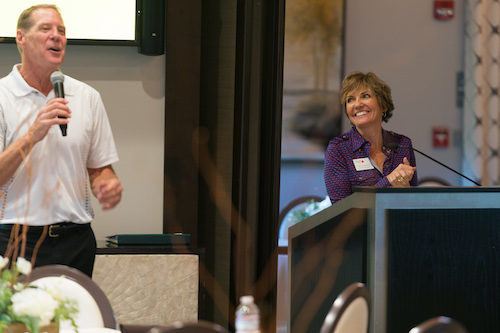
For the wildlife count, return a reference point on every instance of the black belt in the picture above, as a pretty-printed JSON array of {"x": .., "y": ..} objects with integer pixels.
[{"x": 55, "y": 230}]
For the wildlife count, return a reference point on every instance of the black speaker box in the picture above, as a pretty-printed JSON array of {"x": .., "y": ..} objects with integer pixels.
[{"x": 151, "y": 26}]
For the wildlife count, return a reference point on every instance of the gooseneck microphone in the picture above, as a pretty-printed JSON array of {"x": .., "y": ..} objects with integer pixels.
[
  {"x": 57, "y": 79},
  {"x": 394, "y": 145}
]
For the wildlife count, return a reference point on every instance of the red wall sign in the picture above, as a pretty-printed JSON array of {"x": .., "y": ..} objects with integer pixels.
[
  {"x": 444, "y": 9},
  {"x": 440, "y": 136}
]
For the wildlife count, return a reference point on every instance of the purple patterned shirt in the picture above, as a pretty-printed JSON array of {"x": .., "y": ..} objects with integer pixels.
[{"x": 341, "y": 174}]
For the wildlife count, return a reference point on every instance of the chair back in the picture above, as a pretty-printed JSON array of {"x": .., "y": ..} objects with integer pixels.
[
  {"x": 439, "y": 324},
  {"x": 135, "y": 328},
  {"x": 190, "y": 327},
  {"x": 350, "y": 312},
  {"x": 94, "y": 309}
]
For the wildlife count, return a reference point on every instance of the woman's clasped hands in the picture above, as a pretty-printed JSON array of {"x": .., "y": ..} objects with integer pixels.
[{"x": 401, "y": 176}]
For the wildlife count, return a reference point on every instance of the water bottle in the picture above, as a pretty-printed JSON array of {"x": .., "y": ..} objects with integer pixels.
[{"x": 247, "y": 316}]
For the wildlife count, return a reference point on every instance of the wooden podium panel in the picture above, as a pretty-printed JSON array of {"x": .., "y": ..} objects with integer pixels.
[
  {"x": 326, "y": 260},
  {"x": 423, "y": 252},
  {"x": 443, "y": 262}
]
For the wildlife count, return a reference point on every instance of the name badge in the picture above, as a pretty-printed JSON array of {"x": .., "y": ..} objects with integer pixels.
[{"x": 362, "y": 164}]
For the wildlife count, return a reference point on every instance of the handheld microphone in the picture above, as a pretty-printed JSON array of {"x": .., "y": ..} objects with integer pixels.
[
  {"x": 394, "y": 145},
  {"x": 57, "y": 79}
]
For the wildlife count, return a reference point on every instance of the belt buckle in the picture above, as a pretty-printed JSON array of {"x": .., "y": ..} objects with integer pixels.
[{"x": 50, "y": 231}]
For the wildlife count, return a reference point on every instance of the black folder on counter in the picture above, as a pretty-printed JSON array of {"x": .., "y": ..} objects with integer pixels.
[{"x": 149, "y": 239}]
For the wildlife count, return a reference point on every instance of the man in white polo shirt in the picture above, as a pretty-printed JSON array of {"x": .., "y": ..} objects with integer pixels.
[{"x": 45, "y": 176}]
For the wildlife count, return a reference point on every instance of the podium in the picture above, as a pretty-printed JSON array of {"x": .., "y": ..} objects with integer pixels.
[{"x": 423, "y": 252}]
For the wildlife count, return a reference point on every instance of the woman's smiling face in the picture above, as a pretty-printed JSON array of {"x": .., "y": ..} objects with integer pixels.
[{"x": 363, "y": 108}]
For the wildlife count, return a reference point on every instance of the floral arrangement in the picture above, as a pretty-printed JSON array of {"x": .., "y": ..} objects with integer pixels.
[
  {"x": 312, "y": 208},
  {"x": 22, "y": 302}
]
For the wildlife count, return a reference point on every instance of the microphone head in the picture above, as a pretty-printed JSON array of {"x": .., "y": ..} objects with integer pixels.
[
  {"x": 393, "y": 145},
  {"x": 57, "y": 76}
]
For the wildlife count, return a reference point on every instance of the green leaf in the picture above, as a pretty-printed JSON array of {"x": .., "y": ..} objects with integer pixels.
[{"x": 30, "y": 322}]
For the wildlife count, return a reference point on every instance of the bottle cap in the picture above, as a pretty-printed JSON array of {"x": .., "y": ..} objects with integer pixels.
[{"x": 246, "y": 299}]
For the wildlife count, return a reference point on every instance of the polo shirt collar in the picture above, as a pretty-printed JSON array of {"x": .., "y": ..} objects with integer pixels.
[
  {"x": 21, "y": 88},
  {"x": 18, "y": 86}
]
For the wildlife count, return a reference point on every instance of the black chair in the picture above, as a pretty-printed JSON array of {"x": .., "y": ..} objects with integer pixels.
[
  {"x": 350, "y": 312},
  {"x": 190, "y": 327},
  {"x": 94, "y": 308},
  {"x": 439, "y": 325}
]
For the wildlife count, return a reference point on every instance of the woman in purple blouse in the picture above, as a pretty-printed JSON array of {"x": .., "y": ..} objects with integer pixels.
[{"x": 368, "y": 155}]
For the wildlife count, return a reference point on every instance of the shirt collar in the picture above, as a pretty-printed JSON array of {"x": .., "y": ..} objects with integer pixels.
[
  {"x": 358, "y": 141},
  {"x": 17, "y": 84},
  {"x": 21, "y": 88},
  {"x": 388, "y": 138}
]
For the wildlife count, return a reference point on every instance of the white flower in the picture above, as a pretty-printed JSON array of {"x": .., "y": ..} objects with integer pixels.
[
  {"x": 18, "y": 286},
  {"x": 35, "y": 302},
  {"x": 325, "y": 203},
  {"x": 316, "y": 207},
  {"x": 3, "y": 262},
  {"x": 54, "y": 289},
  {"x": 23, "y": 265}
]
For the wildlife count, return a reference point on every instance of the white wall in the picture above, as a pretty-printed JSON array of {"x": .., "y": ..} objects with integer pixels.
[
  {"x": 133, "y": 89},
  {"x": 418, "y": 57}
]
